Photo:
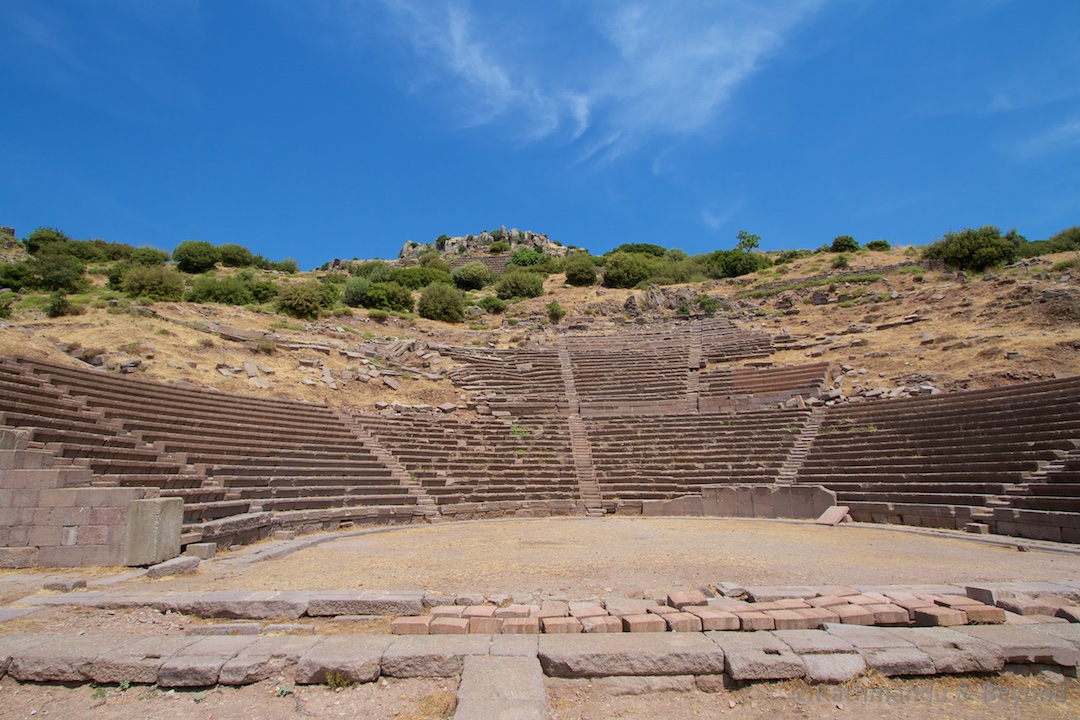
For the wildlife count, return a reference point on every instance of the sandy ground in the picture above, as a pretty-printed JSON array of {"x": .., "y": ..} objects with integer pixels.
[{"x": 585, "y": 557}]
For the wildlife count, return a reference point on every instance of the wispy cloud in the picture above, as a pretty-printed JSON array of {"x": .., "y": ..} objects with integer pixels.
[
  {"x": 609, "y": 78},
  {"x": 1063, "y": 136},
  {"x": 717, "y": 215}
]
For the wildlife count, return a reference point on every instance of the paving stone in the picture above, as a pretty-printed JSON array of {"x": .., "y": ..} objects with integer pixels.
[
  {"x": 1026, "y": 645},
  {"x": 817, "y": 617},
  {"x": 560, "y": 625},
  {"x": 853, "y": 614},
  {"x": 884, "y": 651},
  {"x": 226, "y": 629},
  {"x": 447, "y": 611},
  {"x": 683, "y": 622},
  {"x": 755, "y": 621},
  {"x": 355, "y": 658},
  {"x": 262, "y": 605},
  {"x": 888, "y": 614},
  {"x": 1067, "y": 632},
  {"x": 479, "y": 611},
  {"x": 1026, "y": 605},
  {"x": 758, "y": 656},
  {"x": 183, "y": 565},
  {"x": 816, "y": 642},
  {"x": 686, "y": 597},
  {"x": 514, "y": 611},
  {"x": 834, "y": 668},
  {"x": 289, "y": 629},
  {"x": 449, "y": 626},
  {"x": 136, "y": 660},
  {"x": 953, "y": 652},
  {"x": 265, "y": 658},
  {"x": 939, "y": 616},
  {"x": 484, "y": 625},
  {"x": 521, "y": 626},
  {"x": 602, "y": 624},
  {"x": 58, "y": 658},
  {"x": 365, "y": 602},
  {"x": 199, "y": 664},
  {"x": 430, "y": 655},
  {"x": 634, "y": 685},
  {"x": 553, "y": 608},
  {"x": 713, "y": 618},
  {"x": 410, "y": 625},
  {"x": 827, "y": 601},
  {"x": 630, "y": 654},
  {"x": 620, "y": 606},
  {"x": 647, "y": 623},
  {"x": 514, "y": 645},
  {"x": 984, "y": 614},
  {"x": 582, "y": 610},
  {"x": 501, "y": 687}
]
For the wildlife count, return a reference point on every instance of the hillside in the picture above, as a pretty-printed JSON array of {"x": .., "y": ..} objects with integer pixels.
[{"x": 890, "y": 324}]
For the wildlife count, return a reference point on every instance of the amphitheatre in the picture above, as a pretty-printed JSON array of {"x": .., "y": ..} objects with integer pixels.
[{"x": 615, "y": 511}]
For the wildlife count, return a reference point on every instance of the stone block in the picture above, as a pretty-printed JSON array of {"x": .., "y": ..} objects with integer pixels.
[
  {"x": 853, "y": 614},
  {"x": 683, "y": 622},
  {"x": 521, "y": 626},
  {"x": 365, "y": 602},
  {"x": 410, "y": 625},
  {"x": 553, "y": 608},
  {"x": 501, "y": 687},
  {"x": 630, "y": 654},
  {"x": 601, "y": 624},
  {"x": 758, "y": 656},
  {"x": 953, "y": 652},
  {"x": 199, "y": 664},
  {"x": 939, "y": 616},
  {"x": 582, "y": 610},
  {"x": 515, "y": 611},
  {"x": 449, "y": 626},
  {"x": 153, "y": 530},
  {"x": 755, "y": 621},
  {"x": 684, "y": 598},
  {"x": 888, "y": 614},
  {"x": 60, "y": 658},
  {"x": 984, "y": 615},
  {"x": 714, "y": 618},
  {"x": 203, "y": 551},
  {"x": 354, "y": 658},
  {"x": 1022, "y": 644},
  {"x": 484, "y": 625},
  {"x": 817, "y": 642},
  {"x": 833, "y": 516},
  {"x": 1022, "y": 604},
  {"x": 790, "y": 620},
  {"x": 560, "y": 625},
  {"x": 176, "y": 566},
  {"x": 235, "y": 628},
  {"x": 264, "y": 658},
  {"x": 648, "y": 622},
  {"x": 479, "y": 611},
  {"x": 627, "y": 606},
  {"x": 884, "y": 651},
  {"x": 12, "y": 558},
  {"x": 136, "y": 660},
  {"x": 834, "y": 668},
  {"x": 444, "y": 611},
  {"x": 259, "y": 605},
  {"x": 430, "y": 655}
]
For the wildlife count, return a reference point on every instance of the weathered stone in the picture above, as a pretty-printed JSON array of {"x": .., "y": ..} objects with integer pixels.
[
  {"x": 410, "y": 625},
  {"x": 430, "y": 655},
  {"x": 647, "y": 623},
  {"x": 501, "y": 687},
  {"x": 758, "y": 656},
  {"x": 630, "y": 654},
  {"x": 60, "y": 658},
  {"x": 601, "y": 624},
  {"x": 355, "y": 658},
  {"x": 953, "y": 652},
  {"x": 199, "y": 664},
  {"x": 136, "y": 660},
  {"x": 365, "y": 603},
  {"x": 1024, "y": 645},
  {"x": 177, "y": 566},
  {"x": 264, "y": 658}
]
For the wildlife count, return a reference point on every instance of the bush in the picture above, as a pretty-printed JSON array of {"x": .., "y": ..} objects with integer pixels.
[
  {"x": 786, "y": 256},
  {"x": 519, "y": 284},
  {"x": 17, "y": 276},
  {"x": 59, "y": 305},
  {"x": 226, "y": 291},
  {"x": 625, "y": 270},
  {"x": 843, "y": 243},
  {"x": 42, "y": 237},
  {"x": 374, "y": 270},
  {"x": 499, "y": 246},
  {"x": 434, "y": 260},
  {"x": 640, "y": 249},
  {"x": 355, "y": 290},
  {"x": 149, "y": 256},
  {"x": 196, "y": 256},
  {"x": 580, "y": 270},
  {"x": 492, "y": 304},
  {"x": 878, "y": 245},
  {"x": 841, "y": 262},
  {"x": 233, "y": 255},
  {"x": 555, "y": 312},
  {"x": 302, "y": 300},
  {"x": 525, "y": 257},
  {"x": 975, "y": 250},
  {"x": 440, "y": 301},
  {"x": 57, "y": 272},
  {"x": 6, "y": 301},
  {"x": 418, "y": 278},
  {"x": 473, "y": 276},
  {"x": 734, "y": 263},
  {"x": 388, "y": 296},
  {"x": 157, "y": 282}
]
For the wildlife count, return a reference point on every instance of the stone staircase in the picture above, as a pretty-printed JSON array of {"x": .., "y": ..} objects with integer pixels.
[
  {"x": 588, "y": 487},
  {"x": 789, "y": 471}
]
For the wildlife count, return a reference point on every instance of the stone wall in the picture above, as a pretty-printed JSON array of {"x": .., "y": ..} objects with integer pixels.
[{"x": 758, "y": 501}]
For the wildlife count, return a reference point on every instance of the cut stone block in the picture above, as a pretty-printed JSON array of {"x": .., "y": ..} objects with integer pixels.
[
  {"x": 354, "y": 658},
  {"x": 430, "y": 655},
  {"x": 789, "y": 620},
  {"x": 758, "y": 656},
  {"x": 755, "y": 621},
  {"x": 136, "y": 660},
  {"x": 1024, "y": 645},
  {"x": 954, "y": 652},
  {"x": 479, "y": 611},
  {"x": 517, "y": 611},
  {"x": 448, "y": 611},
  {"x": 648, "y": 623},
  {"x": 365, "y": 602},
  {"x": 939, "y": 616},
  {"x": 501, "y": 687},
  {"x": 560, "y": 625},
  {"x": 686, "y": 597},
  {"x": 264, "y": 658},
  {"x": 582, "y": 610},
  {"x": 414, "y": 625},
  {"x": 59, "y": 658},
  {"x": 888, "y": 614},
  {"x": 1026, "y": 605},
  {"x": 183, "y": 565},
  {"x": 627, "y": 606},
  {"x": 833, "y": 516},
  {"x": 521, "y": 626},
  {"x": 484, "y": 625},
  {"x": 630, "y": 654},
  {"x": 553, "y": 608},
  {"x": 199, "y": 664},
  {"x": 714, "y": 619},
  {"x": 602, "y": 624},
  {"x": 153, "y": 530},
  {"x": 683, "y": 622},
  {"x": 817, "y": 642},
  {"x": 834, "y": 668},
  {"x": 853, "y": 614},
  {"x": 884, "y": 651},
  {"x": 984, "y": 615},
  {"x": 261, "y": 605},
  {"x": 449, "y": 626}
]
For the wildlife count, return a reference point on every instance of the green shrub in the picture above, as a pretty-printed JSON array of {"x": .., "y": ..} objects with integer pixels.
[
  {"x": 59, "y": 305},
  {"x": 418, "y": 278},
  {"x": 223, "y": 291},
  {"x": 734, "y": 263},
  {"x": 708, "y": 304},
  {"x": 525, "y": 257},
  {"x": 374, "y": 270},
  {"x": 150, "y": 256},
  {"x": 491, "y": 304},
  {"x": 555, "y": 312},
  {"x": 440, "y": 301},
  {"x": 42, "y": 237},
  {"x": 625, "y": 270},
  {"x": 580, "y": 270},
  {"x": 57, "y": 272},
  {"x": 17, "y": 276},
  {"x": 786, "y": 256},
  {"x": 975, "y": 250},
  {"x": 473, "y": 276},
  {"x": 378, "y": 315},
  {"x": 302, "y": 300},
  {"x": 158, "y": 283},
  {"x": 388, "y": 296},
  {"x": 640, "y": 249},
  {"x": 434, "y": 260},
  {"x": 841, "y": 262},
  {"x": 843, "y": 243},
  {"x": 878, "y": 245},
  {"x": 196, "y": 256},
  {"x": 499, "y": 246},
  {"x": 6, "y": 301},
  {"x": 355, "y": 290},
  {"x": 519, "y": 284},
  {"x": 233, "y": 255}
]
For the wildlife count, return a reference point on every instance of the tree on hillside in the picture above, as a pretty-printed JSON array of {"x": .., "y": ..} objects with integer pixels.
[
  {"x": 196, "y": 256},
  {"x": 748, "y": 242}
]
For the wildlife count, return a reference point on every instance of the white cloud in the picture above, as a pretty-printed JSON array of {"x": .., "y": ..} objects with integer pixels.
[
  {"x": 609, "y": 78},
  {"x": 1063, "y": 136},
  {"x": 716, "y": 215}
]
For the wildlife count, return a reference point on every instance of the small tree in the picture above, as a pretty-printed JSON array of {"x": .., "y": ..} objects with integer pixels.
[
  {"x": 440, "y": 301},
  {"x": 499, "y": 246},
  {"x": 233, "y": 255},
  {"x": 843, "y": 243},
  {"x": 555, "y": 312},
  {"x": 355, "y": 290},
  {"x": 975, "y": 250},
  {"x": 520, "y": 284},
  {"x": 301, "y": 300},
  {"x": 196, "y": 256},
  {"x": 525, "y": 257},
  {"x": 472, "y": 276},
  {"x": 155, "y": 283},
  {"x": 57, "y": 272},
  {"x": 625, "y": 270},
  {"x": 747, "y": 241},
  {"x": 580, "y": 270}
]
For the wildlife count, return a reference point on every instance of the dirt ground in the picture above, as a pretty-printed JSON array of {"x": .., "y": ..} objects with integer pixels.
[{"x": 586, "y": 557}]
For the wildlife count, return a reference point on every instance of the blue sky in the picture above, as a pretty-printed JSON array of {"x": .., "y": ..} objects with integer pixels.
[{"x": 343, "y": 128}]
